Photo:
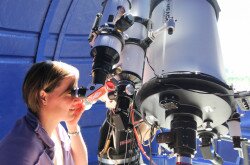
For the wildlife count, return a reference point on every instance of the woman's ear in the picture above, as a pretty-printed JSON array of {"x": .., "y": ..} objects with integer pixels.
[{"x": 43, "y": 97}]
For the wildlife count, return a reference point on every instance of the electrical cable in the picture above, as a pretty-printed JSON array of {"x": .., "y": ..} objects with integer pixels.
[
  {"x": 115, "y": 162},
  {"x": 141, "y": 139},
  {"x": 200, "y": 92},
  {"x": 126, "y": 147},
  {"x": 144, "y": 140},
  {"x": 246, "y": 93},
  {"x": 148, "y": 140},
  {"x": 107, "y": 142},
  {"x": 138, "y": 113},
  {"x": 151, "y": 67},
  {"x": 109, "y": 122},
  {"x": 138, "y": 123},
  {"x": 104, "y": 3},
  {"x": 150, "y": 144},
  {"x": 137, "y": 138},
  {"x": 126, "y": 142}
]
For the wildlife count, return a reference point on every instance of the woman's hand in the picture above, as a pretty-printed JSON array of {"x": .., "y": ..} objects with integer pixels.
[{"x": 72, "y": 124}]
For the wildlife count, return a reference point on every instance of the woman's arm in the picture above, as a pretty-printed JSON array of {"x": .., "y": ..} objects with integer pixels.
[{"x": 78, "y": 146}]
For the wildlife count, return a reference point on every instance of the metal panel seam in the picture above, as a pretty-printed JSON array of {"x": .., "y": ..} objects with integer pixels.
[
  {"x": 45, "y": 30},
  {"x": 62, "y": 32}
]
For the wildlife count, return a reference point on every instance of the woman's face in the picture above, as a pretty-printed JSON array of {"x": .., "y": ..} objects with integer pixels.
[{"x": 60, "y": 104}]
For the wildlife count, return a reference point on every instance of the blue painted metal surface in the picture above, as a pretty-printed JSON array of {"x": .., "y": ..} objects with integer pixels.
[{"x": 35, "y": 30}]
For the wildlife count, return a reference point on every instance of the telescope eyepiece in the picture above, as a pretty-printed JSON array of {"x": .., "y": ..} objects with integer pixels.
[{"x": 79, "y": 92}]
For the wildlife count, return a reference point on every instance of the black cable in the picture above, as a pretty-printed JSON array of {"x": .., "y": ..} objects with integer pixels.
[
  {"x": 200, "y": 92},
  {"x": 137, "y": 125},
  {"x": 150, "y": 144},
  {"x": 110, "y": 124},
  {"x": 151, "y": 67},
  {"x": 138, "y": 113},
  {"x": 140, "y": 134},
  {"x": 104, "y": 3},
  {"x": 130, "y": 5}
]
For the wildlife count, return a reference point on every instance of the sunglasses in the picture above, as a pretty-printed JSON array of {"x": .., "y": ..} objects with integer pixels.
[{"x": 79, "y": 92}]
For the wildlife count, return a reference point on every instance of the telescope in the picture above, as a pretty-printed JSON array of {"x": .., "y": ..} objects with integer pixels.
[{"x": 161, "y": 66}]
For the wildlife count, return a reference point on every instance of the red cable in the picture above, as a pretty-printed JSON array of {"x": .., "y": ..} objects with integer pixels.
[{"x": 137, "y": 137}]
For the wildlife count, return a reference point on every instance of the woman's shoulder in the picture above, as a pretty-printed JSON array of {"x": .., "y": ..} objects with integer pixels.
[
  {"x": 18, "y": 149},
  {"x": 21, "y": 137}
]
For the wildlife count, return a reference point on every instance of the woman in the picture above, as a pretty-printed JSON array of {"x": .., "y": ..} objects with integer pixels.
[{"x": 39, "y": 138}]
